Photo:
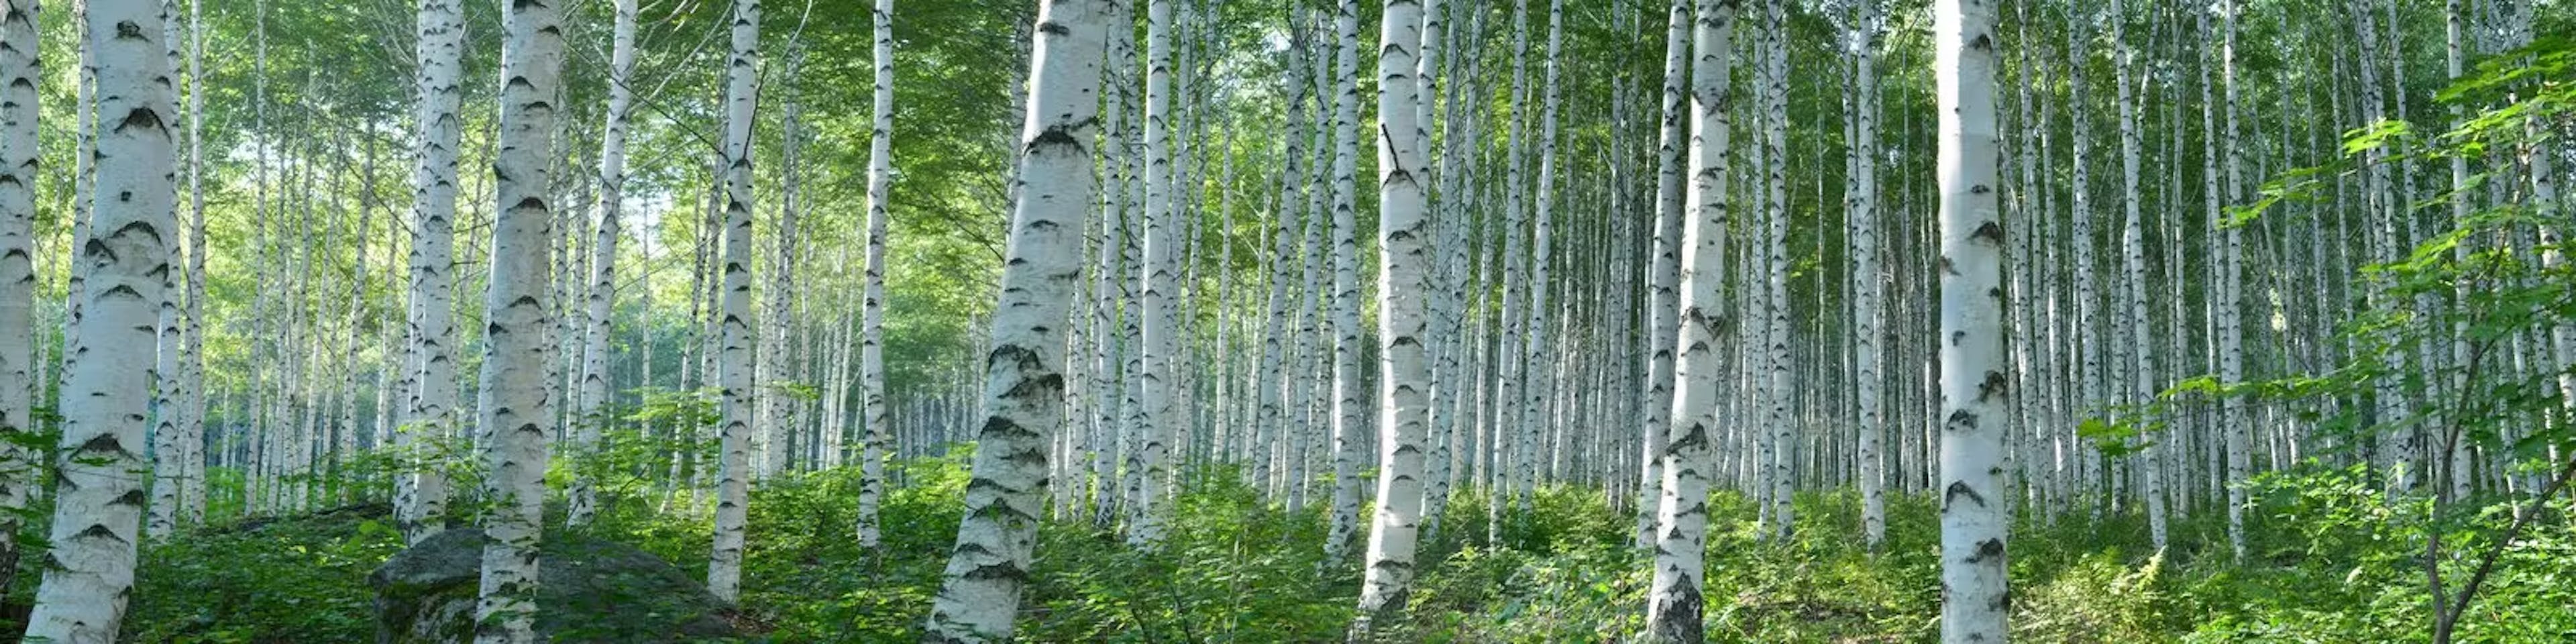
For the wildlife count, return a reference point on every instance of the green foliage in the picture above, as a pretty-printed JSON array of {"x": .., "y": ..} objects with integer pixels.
[
  {"x": 302, "y": 579},
  {"x": 2333, "y": 562}
]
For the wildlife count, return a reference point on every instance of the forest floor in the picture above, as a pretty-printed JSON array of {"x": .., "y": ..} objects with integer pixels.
[{"x": 2333, "y": 563}]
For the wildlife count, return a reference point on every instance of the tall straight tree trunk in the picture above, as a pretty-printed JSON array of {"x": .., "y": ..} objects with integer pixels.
[
  {"x": 18, "y": 158},
  {"x": 89, "y": 574},
  {"x": 1404, "y": 258},
  {"x": 168, "y": 387},
  {"x": 1346, "y": 412},
  {"x": 872, "y": 398},
  {"x": 733, "y": 344},
  {"x": 1775, "y": 386},
  {"x": 192, "y": 481},
  {"x": 2134, "y": 288},
  {"x": 1866, "y": 285},
  {"x": 1146, "y": 460},
  {"x": 1508, "y": 356},
  {"x": 775, "y": 437},
  {"x": 512, "y": 406},
  {"x": 1274, "y": 426},
  {"x": 1975, "y": 508},
  {"x": 2089, "y": 347},
  {"x": 2232, "y": 419},
  {"x": 1664, "y": 277},
  {"x": 1675, "y": 608},
  {"x": 2397, "y": 448},
  {"x": 1536, "y": 355},
  {"x": 589, "y": 412},
  {"x": 1023, "y": 375},
  {"x": 429, "y": 417}
]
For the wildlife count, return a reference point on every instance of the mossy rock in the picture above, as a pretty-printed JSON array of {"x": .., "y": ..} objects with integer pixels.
[{"x": 589, "y": 590}]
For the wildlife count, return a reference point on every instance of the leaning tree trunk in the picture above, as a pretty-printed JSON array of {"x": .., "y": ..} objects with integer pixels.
[
  {"x": 1675, "y": 607},
  {"x": 1023, "y": 373},
  {"x": 733, "y": 365},
  {"x": 513, "y": 406},
  {"x": 1403, "y": 261},
  {"x": 589, "y": 412},
  {"x": 89, "y": 571},
  {"x": 1975, "y": 508},
  {"x": 420, "y": 497},
  {"x": 872, "y": 400},
  {"x": 18, "y": 153}
]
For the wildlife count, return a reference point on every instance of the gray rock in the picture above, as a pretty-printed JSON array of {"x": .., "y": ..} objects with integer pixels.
[{"x": 589, "y": 590}]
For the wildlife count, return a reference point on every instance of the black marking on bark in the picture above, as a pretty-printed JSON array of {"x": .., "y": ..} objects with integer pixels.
[
  {"x": 1988, "y": 549},
  {"x": 1993, "y": 386},
  {"x": 1959, "y": 488},
  {"x": 1989, "y": 231},
  {"x": 1962, "y": 420}
]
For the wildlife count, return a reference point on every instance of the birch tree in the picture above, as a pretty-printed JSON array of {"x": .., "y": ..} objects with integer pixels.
[
  {"x": 872, "y": 398},
  {"x": 1023, "y": 395},
  {"x": 1346, "y": 291},
  {"x": 1865, "y": 281},
  {"x": 1404, "y": 403},
  {"x": 1146, "y": 460},
  {"x": 421, "y": 495},
  {"x": 733, "y": 343},
  {"x": 589, "y": 412},
  {"x": 89, "y": 571},
  {"x": 1975, "y": 512},
  {"x": 1665, "y": 276},
  {"x": 1675, "y": 607},
  {"x": 513, "y": 407},
  {"x": 18, "y": 158}
]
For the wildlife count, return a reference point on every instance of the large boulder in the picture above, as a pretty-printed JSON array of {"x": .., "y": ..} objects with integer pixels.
[{"x": 589, "y": 590}]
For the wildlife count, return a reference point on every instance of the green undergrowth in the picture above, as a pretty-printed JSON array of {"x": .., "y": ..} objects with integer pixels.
[{"x": 2330, "y": 561}]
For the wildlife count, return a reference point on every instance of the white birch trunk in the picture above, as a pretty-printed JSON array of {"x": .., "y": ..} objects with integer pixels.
[
  {"x": 2141, "y": 340},
  {"x": 1664, "y": 277},
  {"x": 2232, "y": 419},
  {"x": 1404, "y": 258},
  {"x": 733, "y": 362},
  {"x": 1346, "y": 383},
  {"x": 1147, "y": 460},
  {"x": 582, "y": 501},
  {"x": 89, "y": 568},
  {"x": 513, "y": 405},
  {"x": 420, "y": 496},
  {"x": 1775, "y": 144},
  {"x": 2089, "y": 347},
  {"x": 1866, "y": 284},
  {"x": 1975, "y": 509},
  {"x": 1675, "y": 608},
  {"x": 872, "y": 399},
  {"x": 1023, "y": 382},
  {"x": 18, "y": 158}
]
